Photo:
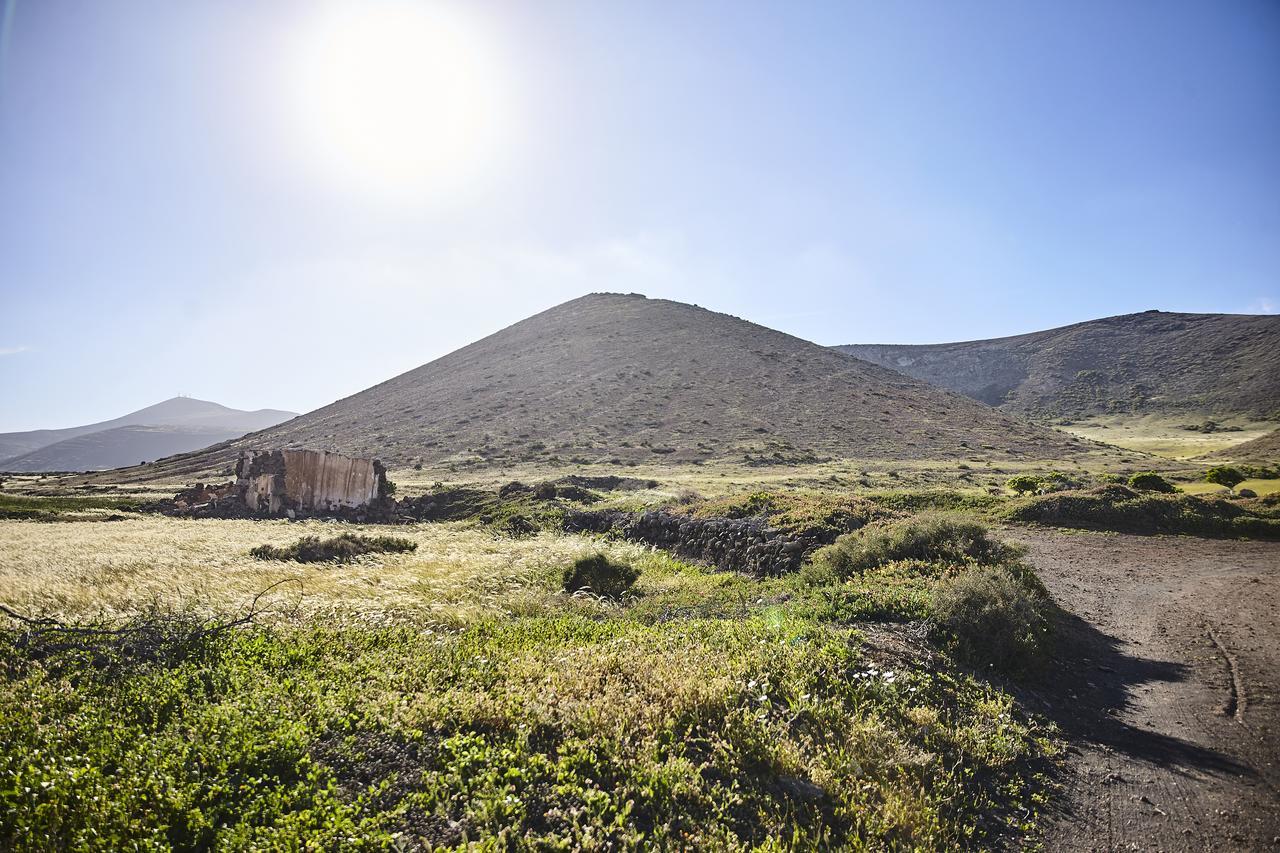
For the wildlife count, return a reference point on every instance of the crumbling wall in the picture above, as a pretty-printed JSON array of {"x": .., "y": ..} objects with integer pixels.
[
  {"x": 277, "y": 481},
  {"x": 260, "y": 481}
]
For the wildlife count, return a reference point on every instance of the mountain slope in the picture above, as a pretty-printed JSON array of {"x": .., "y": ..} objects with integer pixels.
[
  {"x": 623, "y": 378},
  {"x": 117, "y": 448},
  {"x": 176, "y": 425},
  {"x": 1153, "y": 362}
]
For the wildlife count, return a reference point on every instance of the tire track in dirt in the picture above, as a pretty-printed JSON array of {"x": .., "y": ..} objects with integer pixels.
[
  {"x": 1166, "y": 644},
  {"x": 1238, "y": 700}
]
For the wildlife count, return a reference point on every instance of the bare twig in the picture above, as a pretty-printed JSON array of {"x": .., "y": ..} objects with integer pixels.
[{"x": 148, "y": 637}]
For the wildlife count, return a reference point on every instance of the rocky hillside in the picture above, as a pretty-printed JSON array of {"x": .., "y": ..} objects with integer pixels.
[
  {"x": 1154, "y": 362},
  {"x": 1265, "y": 448},
  {"x": 614, "y": 378}
]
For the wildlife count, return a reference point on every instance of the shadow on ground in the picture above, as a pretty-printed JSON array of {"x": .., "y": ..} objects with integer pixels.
[{"x": 1090, "y": 684}]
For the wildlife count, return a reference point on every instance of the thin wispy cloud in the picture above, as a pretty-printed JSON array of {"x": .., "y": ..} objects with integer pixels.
[
  {"x": 1264, "y": 305},
  {"x": 13, "y": 350}
]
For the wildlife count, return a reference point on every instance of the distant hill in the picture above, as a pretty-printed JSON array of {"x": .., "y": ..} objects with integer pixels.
[
  {"x": 614, "y": 378},
  {"x": 176, "y": 425},
  {"x": 1265, "y": 448},
  {"x": 116, "y": 448},
  {"x": 1153, "y": 362}
]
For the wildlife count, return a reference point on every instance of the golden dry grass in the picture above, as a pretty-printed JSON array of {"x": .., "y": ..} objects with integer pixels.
[
  {"x": 1261, "y": 487},
  {"x": 1165, "y": 436},
  {"x": 458, "y": 573}
]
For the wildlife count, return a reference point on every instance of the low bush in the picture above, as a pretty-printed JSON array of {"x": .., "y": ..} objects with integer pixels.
[
  {"x": 993, "y": 617},
  {"x": 1022, "y": 484},
  {"x": 339, "y": 549},
  {"x": 1150, "y": 481},
  {"x": 1054, "y": 481},
  {"x": 931, "y": 538},
  {"x": 598, "y": 574},
  {"x": 1224, "y": 475},
  {"x": 817, "y": 515}
]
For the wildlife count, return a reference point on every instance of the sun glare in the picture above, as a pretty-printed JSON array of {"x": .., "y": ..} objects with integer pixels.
[{"x": 398, "y": 98}]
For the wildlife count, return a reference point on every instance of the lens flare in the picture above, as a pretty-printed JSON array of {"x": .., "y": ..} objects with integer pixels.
[{"x": 397, "y": 98}]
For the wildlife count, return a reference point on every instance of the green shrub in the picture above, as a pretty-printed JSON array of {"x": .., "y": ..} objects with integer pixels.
[
  {"x": 821, "y": 516},
  {"x": 600, "y": 575},
  {"x": 341, "y": 549},
  {"x": 1224, "y": 475},
  {"x": 930, "y": 538},
  {"x": 990, "y": 616},
  {"x": 1022, "y": 484},
  {"x": 1054, "y": 481},
  {"x": 1112, "y": 479},
  {"x": 1121, "y": 509},
  {"x": 1150, "y": 481},
  {"x": 1057, "y": 481}
]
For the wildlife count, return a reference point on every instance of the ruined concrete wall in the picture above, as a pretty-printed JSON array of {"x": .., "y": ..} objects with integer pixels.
[
  {"x": 319, "y": 480},
  {"x": 279, "y": 481}
]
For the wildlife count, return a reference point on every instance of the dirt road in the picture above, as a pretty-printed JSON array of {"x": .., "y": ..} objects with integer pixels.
[{"x": 1167, "y": 685}]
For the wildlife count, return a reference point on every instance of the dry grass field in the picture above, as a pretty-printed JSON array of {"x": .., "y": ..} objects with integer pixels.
[
  {"x": 458, "y": 574},
  {"x": 1165, "y": 436},
  {"x": 458, "y": 693}
]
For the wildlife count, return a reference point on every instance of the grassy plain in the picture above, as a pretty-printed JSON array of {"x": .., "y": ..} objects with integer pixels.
[
  {"x": 455, "y": 694},
  {"x": 1166, "y": 436},
  {"x": 1199, "y": 487}
]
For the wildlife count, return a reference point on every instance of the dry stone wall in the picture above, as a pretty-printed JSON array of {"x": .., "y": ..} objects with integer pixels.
[{"x": 733, "y": 544}]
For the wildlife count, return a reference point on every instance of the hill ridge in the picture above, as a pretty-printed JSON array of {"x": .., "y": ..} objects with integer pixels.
[
  {"x": 174, "y": 425},
  {"x": 623, "y": 379},
  {"x": 1147, "y": 362}
]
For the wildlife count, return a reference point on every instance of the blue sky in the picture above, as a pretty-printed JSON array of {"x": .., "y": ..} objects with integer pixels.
[{"x": 846, "y": 172}]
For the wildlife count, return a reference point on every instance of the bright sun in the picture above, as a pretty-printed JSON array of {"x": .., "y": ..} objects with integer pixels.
[{"x": 396, "y": 97}]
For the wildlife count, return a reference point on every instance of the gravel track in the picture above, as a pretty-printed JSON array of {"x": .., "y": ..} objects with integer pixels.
[{"x": 1166, "y": 686}]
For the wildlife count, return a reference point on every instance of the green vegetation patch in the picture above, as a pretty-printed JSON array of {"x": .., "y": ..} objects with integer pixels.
[
  {"x": 935, "y": 500},
  {"x": 1150, "y": 481},
  {"x": 342, "y": 548},
  {"x": 50, "y": 508},
  {"x": 1054, "y": 481},
  {"x": 816, "y": 514},
  {"x": 976, "y": 595},
  {"x": 1124, "y": 510},
  {"x": 993, "y": 616},
  {"x": 927, "y": 538},
  {"x": 549, "y": 732}
]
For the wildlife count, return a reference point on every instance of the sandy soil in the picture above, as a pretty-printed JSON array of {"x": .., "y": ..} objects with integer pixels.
[{"x": 1167, "y": 687}]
